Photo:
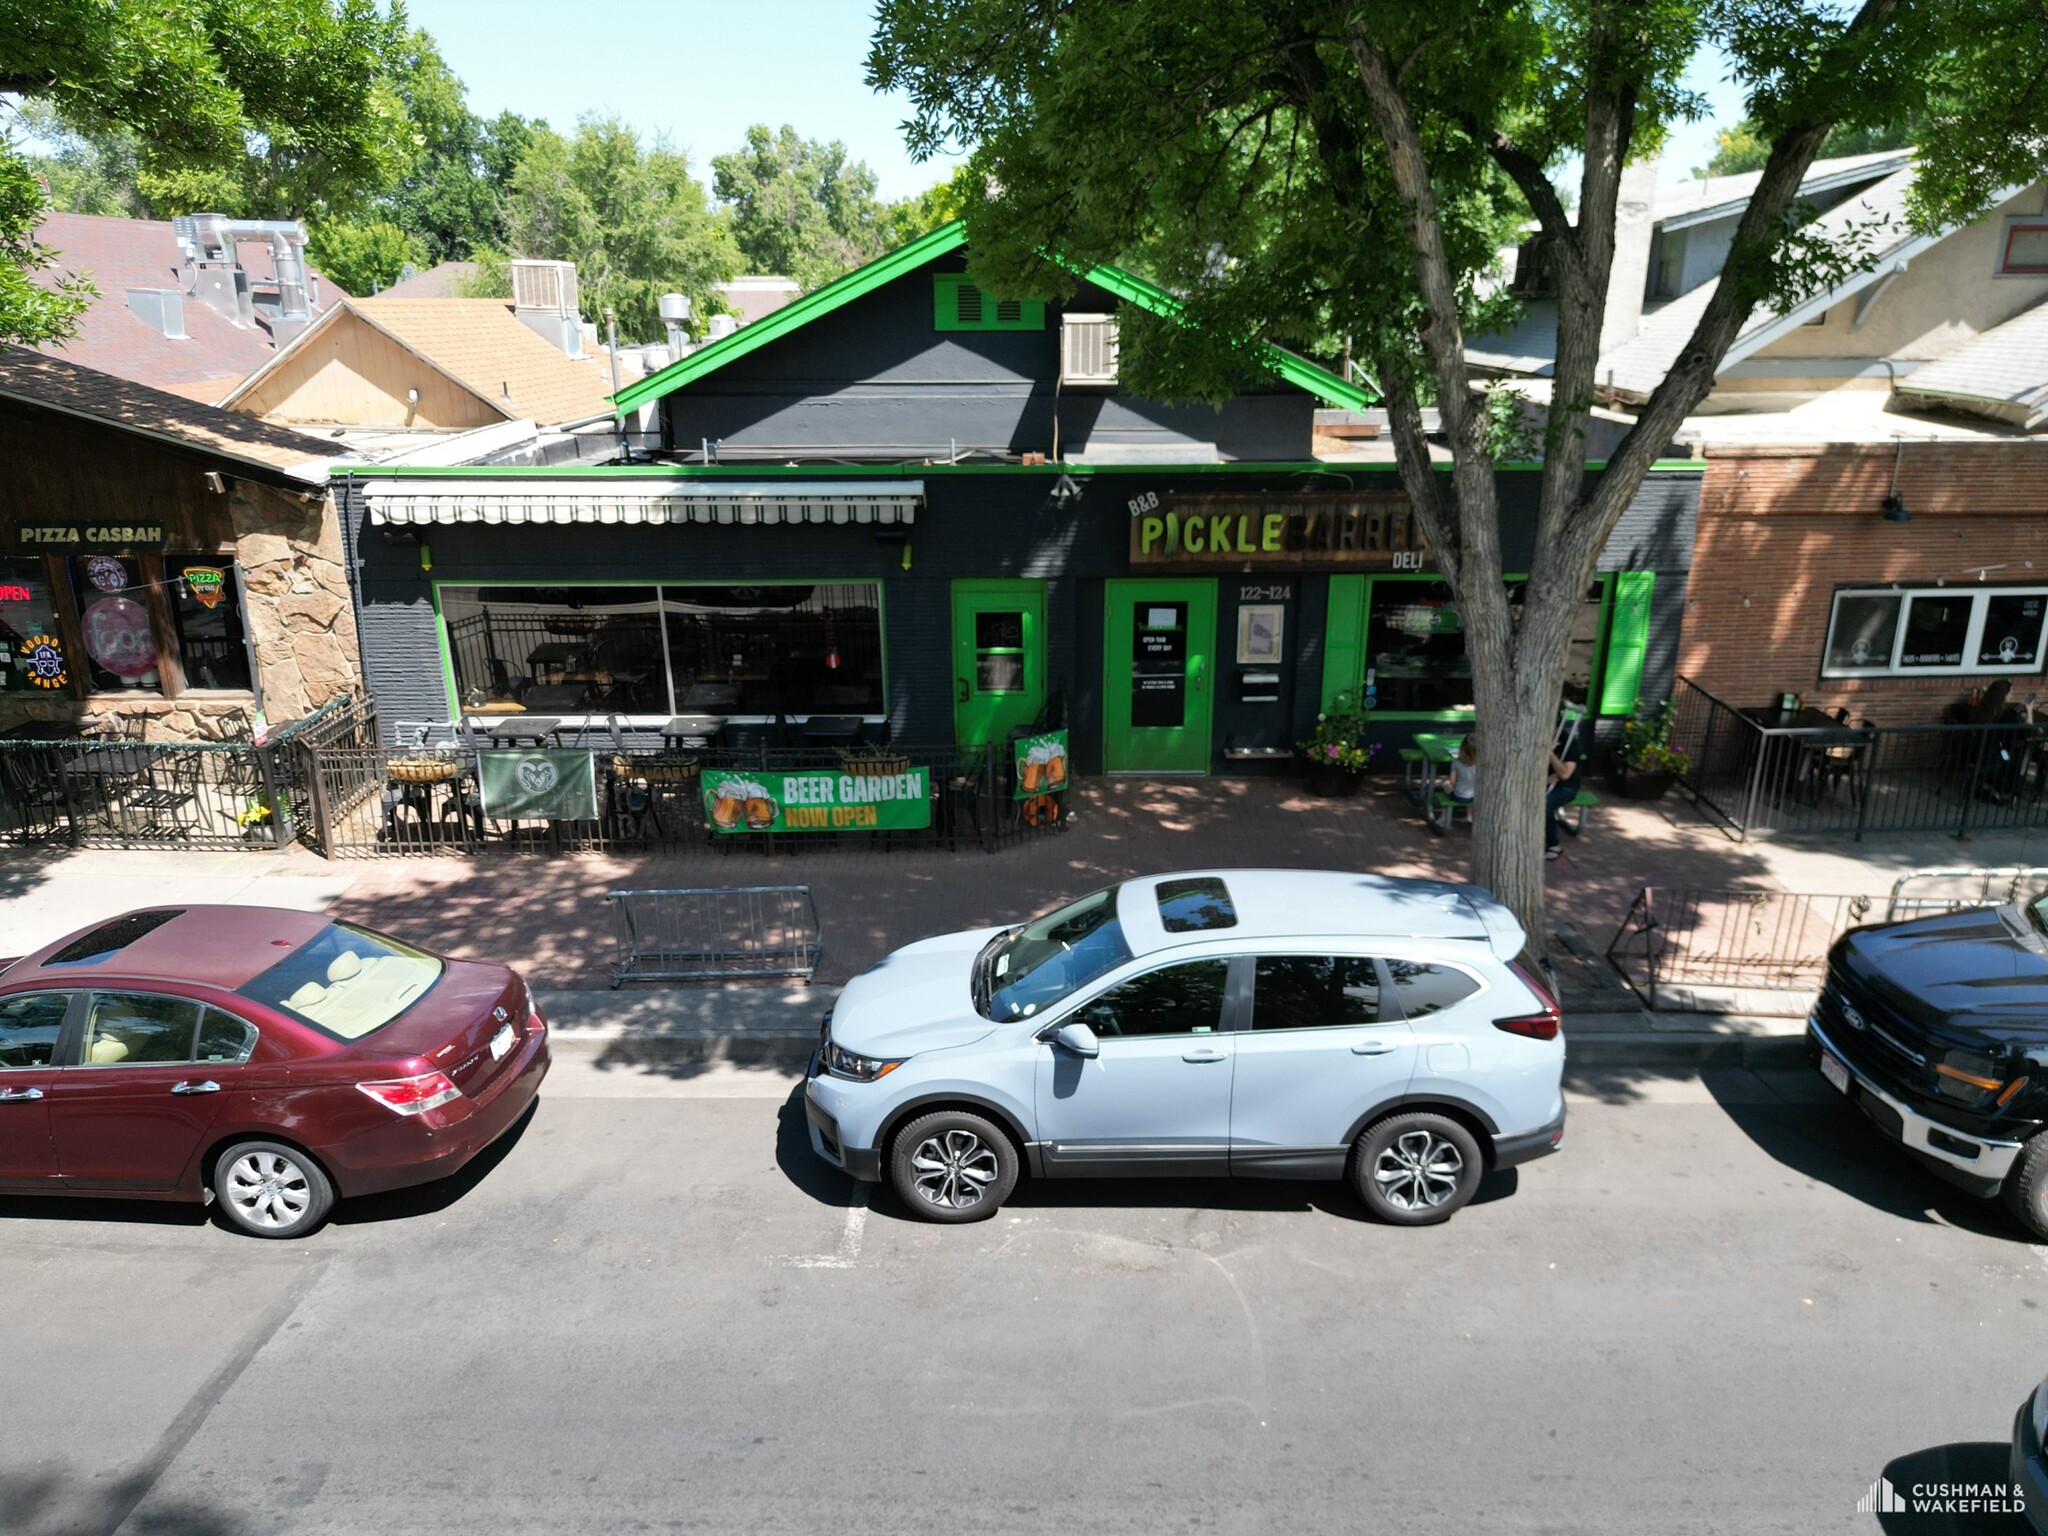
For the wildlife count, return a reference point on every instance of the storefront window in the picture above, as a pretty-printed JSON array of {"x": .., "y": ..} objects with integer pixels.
[
  {"x": 32, "y": 658},
  {"x": 113, "y": 621},
  {"x": 206, "y": 610},
  {"x": 725, "y": 650},
  {"x": 1415, "y": 646},
  {"x": 1957, "y": 630}
]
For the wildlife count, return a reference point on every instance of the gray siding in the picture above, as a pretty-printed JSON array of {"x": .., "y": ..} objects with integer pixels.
[{"x": 875, "y": 379}]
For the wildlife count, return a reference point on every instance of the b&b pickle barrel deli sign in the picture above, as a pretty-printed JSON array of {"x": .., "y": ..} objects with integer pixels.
[
  {"x": 1365, "y": 531},
  {"x": 817, "y": 800}
]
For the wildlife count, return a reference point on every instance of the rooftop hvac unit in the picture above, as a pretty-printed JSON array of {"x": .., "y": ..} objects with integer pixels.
[
  {"x": 548, "y": 287},
  {"x": 1088, "y": 349}
]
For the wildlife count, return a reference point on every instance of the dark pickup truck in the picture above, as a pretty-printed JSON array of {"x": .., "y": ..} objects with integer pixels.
[{"x": 1938, "y": 1029}]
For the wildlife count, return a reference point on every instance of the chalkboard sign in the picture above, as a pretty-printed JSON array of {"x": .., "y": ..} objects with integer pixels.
[{"x": 1159, "y": 665}]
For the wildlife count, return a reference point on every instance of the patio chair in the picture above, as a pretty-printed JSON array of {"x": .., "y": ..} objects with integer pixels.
[
  {"x": 31, "y": 794},
  {"x": 1843, "y": 762}
]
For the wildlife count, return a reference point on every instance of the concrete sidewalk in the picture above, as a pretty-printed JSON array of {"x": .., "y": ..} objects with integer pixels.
[{"x": 547, "y": 914}]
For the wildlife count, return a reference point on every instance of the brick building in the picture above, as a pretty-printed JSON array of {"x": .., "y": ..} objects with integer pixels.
[{"x": 1888, "y": 578}]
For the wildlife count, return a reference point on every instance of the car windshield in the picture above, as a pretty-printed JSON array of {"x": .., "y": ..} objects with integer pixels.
[
  {"x": 347, "y": 981},
  {"x": 1049, "y": 958},
  {"x": 2037, "y": 914}
]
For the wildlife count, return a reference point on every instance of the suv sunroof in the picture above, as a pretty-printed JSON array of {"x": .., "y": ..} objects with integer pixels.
[
  {"x": 1191, "y": 906},
  {"x": 110, "y": 937}
]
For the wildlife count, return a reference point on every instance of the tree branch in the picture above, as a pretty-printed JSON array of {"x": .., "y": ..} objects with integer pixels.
[{"x": 1526, "y": 171}]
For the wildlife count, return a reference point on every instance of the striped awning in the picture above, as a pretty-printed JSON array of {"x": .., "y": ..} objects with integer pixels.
[{"x": 426, "y": 500}]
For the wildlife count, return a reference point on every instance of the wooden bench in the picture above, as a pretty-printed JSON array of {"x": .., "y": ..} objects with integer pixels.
[{"x": 1443, "y": 810}]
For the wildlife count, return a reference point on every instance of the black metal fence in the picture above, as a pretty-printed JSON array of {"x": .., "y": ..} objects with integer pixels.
[
  {"x": 125, "y": 792},
  {"x": 1760, "y": 777},
  {"x": 371, "y": 799}
]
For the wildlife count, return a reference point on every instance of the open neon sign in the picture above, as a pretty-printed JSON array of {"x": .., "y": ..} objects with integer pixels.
[{"x": 11, "y": 592}]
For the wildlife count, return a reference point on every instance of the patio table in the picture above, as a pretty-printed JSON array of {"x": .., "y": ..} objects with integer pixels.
[
  {"x": 517, "y": 730},
  {"x": 695, "y": 732}
]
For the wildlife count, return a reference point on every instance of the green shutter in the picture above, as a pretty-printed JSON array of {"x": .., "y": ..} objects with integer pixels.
[
  {"x": 957, "y": 305},
  {"x": 1628, "y": 637},
  {"x": 1344, "y": 637}
]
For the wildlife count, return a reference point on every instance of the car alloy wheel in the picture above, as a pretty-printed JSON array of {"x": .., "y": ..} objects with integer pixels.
[
  {"x": 952, "y": 1165},
  {"x": 1416, "y": 1167},
  {"x": 954, "y": 1169},
  {"x": 267, "y": 1189},
  {"x": 1418, "y": 1171}
]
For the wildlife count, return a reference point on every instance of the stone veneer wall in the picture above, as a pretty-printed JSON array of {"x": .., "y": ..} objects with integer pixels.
[
  {"x": 298, "y": 611},
  {"x": 298, "y": 615}
]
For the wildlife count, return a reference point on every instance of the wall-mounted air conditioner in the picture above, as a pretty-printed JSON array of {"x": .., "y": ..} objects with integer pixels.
[{"x": 1087, "y": 349}]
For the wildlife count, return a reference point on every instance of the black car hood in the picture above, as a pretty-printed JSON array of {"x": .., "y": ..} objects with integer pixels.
[{"x": 1976, "y": 975}]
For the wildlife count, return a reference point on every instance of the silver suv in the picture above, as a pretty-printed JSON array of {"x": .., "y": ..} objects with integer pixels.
[{"x": 1267, "y": 1023}]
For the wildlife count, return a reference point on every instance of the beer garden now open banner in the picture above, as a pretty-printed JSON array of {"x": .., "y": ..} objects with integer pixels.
[{"x": 818, "y": 800}]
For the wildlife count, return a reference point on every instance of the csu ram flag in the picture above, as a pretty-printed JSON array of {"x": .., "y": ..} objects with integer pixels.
[{"x": 550, "y": 785}]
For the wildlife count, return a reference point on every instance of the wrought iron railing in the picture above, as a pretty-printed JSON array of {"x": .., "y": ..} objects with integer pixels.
[{"x": 1760, "y": 778}]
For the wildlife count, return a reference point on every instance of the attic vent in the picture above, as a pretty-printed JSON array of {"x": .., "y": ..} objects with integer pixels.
[
  {"x": 1088, "y": 349},
  {"x": 958, "y": 305}
]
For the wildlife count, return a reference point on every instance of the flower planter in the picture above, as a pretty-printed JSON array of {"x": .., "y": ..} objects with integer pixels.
[
  {"x": 1331, "y": 783},
  {"x": 1635, "y": 784}
]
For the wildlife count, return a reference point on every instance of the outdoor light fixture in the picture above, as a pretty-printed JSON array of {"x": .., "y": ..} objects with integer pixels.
[
  {"x": 1065, "y": 489},
  {"x": 1894, "y": 506}
]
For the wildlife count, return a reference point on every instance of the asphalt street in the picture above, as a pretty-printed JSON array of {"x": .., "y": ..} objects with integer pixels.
[{"x": 1726, "y": 1307}]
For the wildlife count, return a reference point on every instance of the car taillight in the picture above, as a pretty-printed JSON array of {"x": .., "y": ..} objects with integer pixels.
[
  {"x": 412, "y": 1095},
  {"x": 1536, "y": 1026}
]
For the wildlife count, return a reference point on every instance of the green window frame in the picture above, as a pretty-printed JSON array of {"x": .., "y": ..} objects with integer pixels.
[
  {"x": 960, "y": 305},
  {"x": 1617, "y": 659}
]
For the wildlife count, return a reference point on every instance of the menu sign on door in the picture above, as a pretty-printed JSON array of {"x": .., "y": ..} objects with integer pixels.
[{"x": 1159, "y": 665}]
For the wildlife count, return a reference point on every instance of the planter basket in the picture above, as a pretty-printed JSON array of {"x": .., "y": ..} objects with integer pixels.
[
  {"x": 873, "y": 765},
  {"x": 423, "y": 770},
  {"x": 657, "y": 768},
  {"x": 1636, "y": 784}
]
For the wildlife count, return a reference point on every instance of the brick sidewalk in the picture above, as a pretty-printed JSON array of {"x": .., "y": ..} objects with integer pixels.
[{"x": 547, "y": 914}]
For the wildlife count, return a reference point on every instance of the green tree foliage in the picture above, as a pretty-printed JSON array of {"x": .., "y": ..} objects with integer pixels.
[
  {"x": 799, "y": 207},
  {"x": 280, "y": 109},
  {"x": 922, "y": 212},
  {"x": 30, "y": 312},
  {"x": 1306, "y": 169},
  {"x": 84, "y": 175},
  {"x": 276, "y": 109},
  {"x": 1743, "y": 147},
  {"x": 630, "y": 215},
  {"x": 363, "y": 257},
  {"x": 452, "y": 195}
]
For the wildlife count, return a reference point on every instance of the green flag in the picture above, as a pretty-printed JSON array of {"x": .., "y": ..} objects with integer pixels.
[{"x": 538, "y": 785}]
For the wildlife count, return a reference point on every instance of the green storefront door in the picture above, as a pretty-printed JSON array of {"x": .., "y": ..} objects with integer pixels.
[
  {"x": 998, "y": 657},
  {"x": 1158, "y": 669}
]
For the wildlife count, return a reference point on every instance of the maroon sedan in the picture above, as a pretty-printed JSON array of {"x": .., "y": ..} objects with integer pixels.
[{"x": 266, "y": 1059}]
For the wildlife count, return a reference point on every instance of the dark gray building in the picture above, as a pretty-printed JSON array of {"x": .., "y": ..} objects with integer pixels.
[{"x": 903, "y": 499}]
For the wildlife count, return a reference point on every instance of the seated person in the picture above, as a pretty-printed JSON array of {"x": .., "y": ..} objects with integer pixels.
[{"x": 1461, "y": 779}]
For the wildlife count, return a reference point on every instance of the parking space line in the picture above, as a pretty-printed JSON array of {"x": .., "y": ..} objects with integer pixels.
[{"x": 847, "y": 1255}]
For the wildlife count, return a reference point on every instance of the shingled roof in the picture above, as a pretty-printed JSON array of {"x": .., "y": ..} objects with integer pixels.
[
  {"x": 481, "y": 346},
  {"x": 57, "y": 384},
  {"x": 120, "y": 254}
]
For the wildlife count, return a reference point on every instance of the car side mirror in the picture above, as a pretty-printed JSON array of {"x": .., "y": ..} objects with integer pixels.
[{"x": 1078, "y": 1038}]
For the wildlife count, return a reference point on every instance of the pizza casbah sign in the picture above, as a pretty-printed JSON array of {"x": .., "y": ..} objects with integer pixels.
[{"x": 1368, "y": 531}]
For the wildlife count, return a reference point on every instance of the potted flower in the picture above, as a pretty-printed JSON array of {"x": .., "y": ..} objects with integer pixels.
[
  {"x": 1335, "y": 758},
  {"x": 1646, "y": 765}
]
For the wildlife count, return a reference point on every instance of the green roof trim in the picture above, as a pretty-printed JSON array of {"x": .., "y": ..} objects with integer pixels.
[
  {"x": 1292, "y": 367},
  {"x": 841, "y": 291},
  {"x": 904, "y": 471},
  {"x": 815, "y": 305}
]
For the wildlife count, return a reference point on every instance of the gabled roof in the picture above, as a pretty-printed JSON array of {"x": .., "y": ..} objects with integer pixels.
[
  {"x": 120, "y": 254},
  {"x": 437, "y": 282},
  {"x": 1636, "y": 364},
  {"x": 884, "y": 270},
  {"x": 1718, "y": 197},
  {"x": 478, "y": 344},
  {"x": 71, "y": 389},
  {"x": 2003, "y": 374}
]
